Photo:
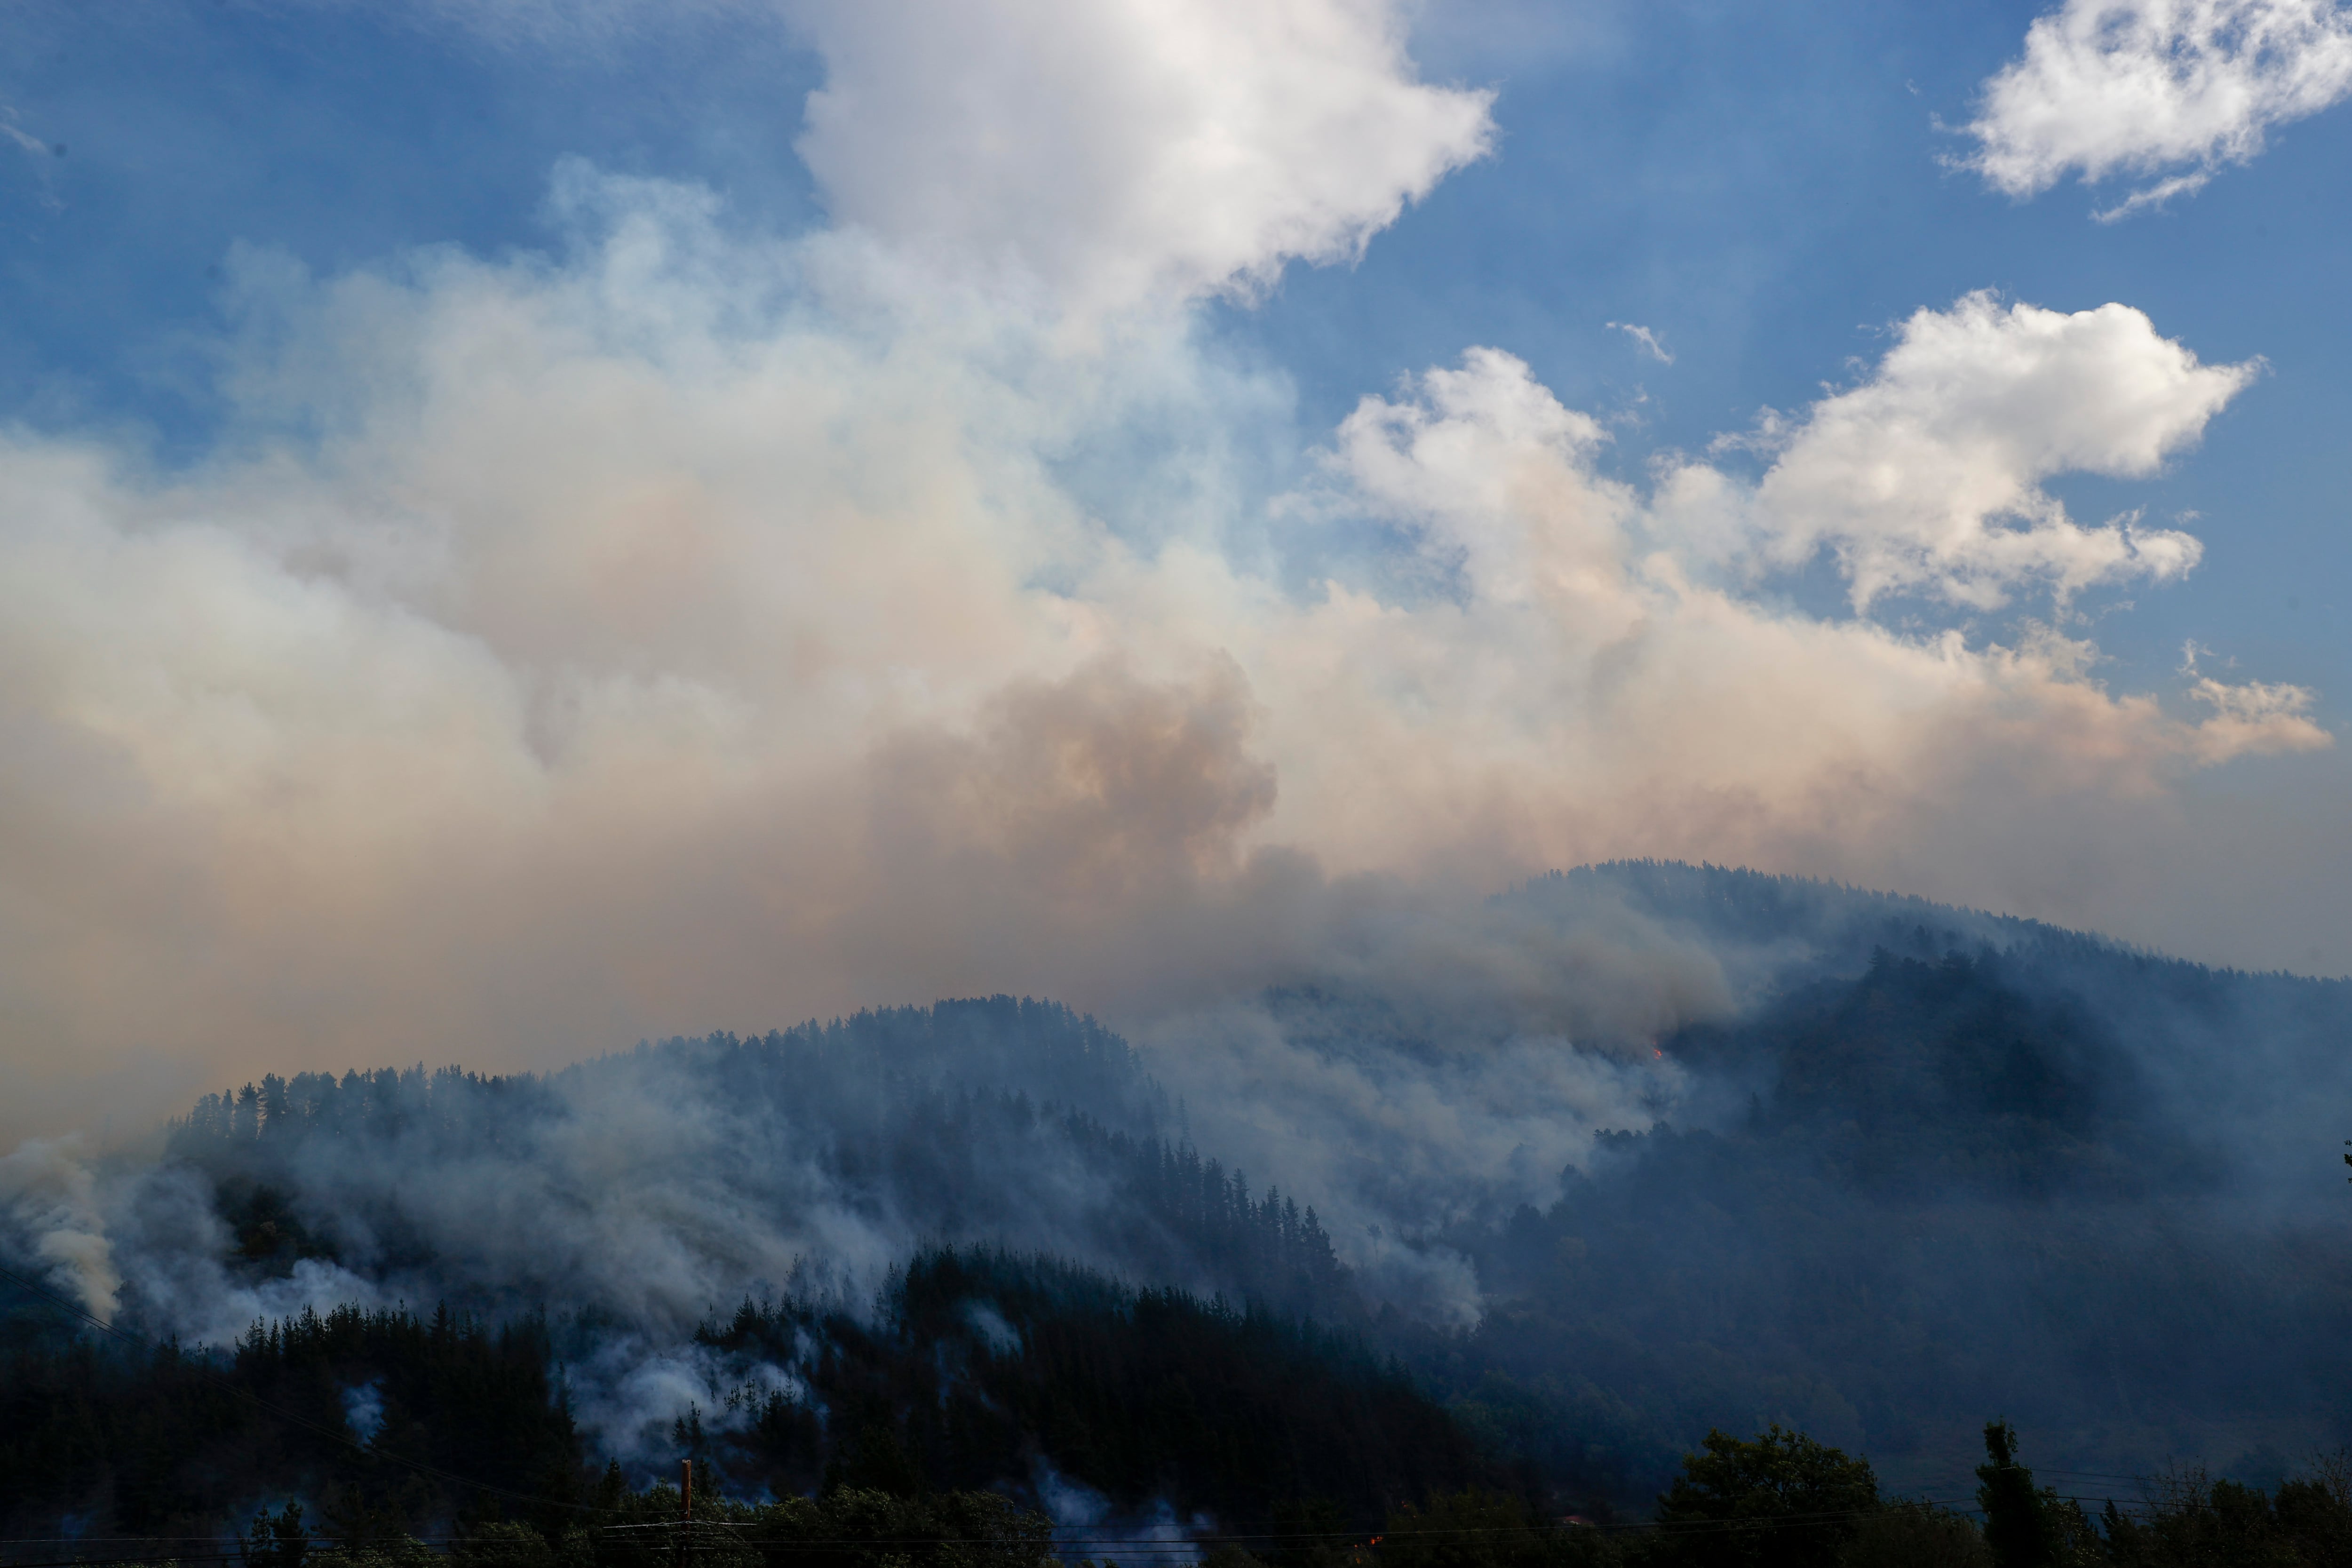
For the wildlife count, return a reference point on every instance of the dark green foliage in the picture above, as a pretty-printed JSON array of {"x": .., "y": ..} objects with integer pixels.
[
  {"x": 386, "y": 1551},
  {"x": 1962, "y": 1069},
  {"x": 276, "y": 1542},
  {"x": 979, "y": 1358},
  {"x": 1778, "y": 1501},
  {"x": 2192, "y": 1519},
  {"x": 1475, "y": 1527},
  {"x": 1906, "y": 1533},
  {"x": 2019, "y": 1529},
  {"x": 848, "y": 1527},
  {"x": 2023, "y": 1526},
  {"x": 167, "y": 1443},
  {"x": 502, "y": 1544},
  {"x": 975, "y": 1369},
  {"x": 1784, "y": 1499},
  {"x": 2315, "y": 1513}
]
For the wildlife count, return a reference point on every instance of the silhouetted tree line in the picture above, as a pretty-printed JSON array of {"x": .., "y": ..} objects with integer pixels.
[
  {"x": 1041, "y": 1048},
  {"x": 847, "y": 1527},
  {"x": 973, "y": 1370},
  {"x": 917, "y": 1432},
  {"x": 137, "y": 1441},
  {"x": 1778, "y": 1500},
  {"x": 1782, "y": 1500},
  {"x": 1271, "y": 1250},
  {"x": 985, "y": 1366}
]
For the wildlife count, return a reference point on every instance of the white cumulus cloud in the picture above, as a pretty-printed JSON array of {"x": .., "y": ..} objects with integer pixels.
[
  {"x": 1577, "y": 690},
  {"x": 1927, "y": 476},
  {"x": 1115, "y": 151},
  {"x": 2167, "y": 91}
]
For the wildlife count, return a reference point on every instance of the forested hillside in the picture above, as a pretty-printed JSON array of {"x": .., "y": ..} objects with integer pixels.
[
  {"x": 1912, "y": 1169},
  {"x": 970, "y": 1371},
  {"x": 1002, "y": 1121},
  {"x": 1940, "y": 1178}
]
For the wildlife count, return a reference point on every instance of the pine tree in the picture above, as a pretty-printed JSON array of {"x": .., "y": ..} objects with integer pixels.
[{"x": 2016, "y": 1523}]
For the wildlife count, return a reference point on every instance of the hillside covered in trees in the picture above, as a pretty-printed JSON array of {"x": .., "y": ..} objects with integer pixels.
[
  {"x": 1936, "y": 1165},
  {"x": 1906, "y": 1168},
  {"x": 971, "y": 1371},
  {"x": 1014, "y": 1122}
]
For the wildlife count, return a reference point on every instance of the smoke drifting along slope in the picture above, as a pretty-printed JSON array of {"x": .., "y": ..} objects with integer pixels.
[
  {"x": 652, "y": 1186},
  {"x": 1963, "y": 1165},
  {"x": 1906, "y": 1165}
]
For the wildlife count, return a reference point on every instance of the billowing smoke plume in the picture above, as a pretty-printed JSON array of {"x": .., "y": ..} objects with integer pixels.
[
  {"x": 1440, "y": 1067},
  {"x": 51, "y": 1216},
  {"x": 693, "y": 629},
  {"x": 689, "y": 627}
]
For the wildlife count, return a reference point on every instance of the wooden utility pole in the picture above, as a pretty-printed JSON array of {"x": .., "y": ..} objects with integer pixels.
[{"x": 686, "y": 1521}]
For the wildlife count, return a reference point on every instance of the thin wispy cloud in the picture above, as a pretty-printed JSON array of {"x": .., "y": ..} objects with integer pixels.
[
  {"x": 46, "y": 153},
  {"x": 1647, "y": 339}
]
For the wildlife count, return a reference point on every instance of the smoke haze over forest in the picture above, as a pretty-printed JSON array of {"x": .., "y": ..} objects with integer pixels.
[
  {"x": 1928, "y": 1162},
  {"x": 763, "y": 719}
]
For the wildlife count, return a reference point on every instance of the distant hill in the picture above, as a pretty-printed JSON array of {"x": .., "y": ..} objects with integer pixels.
[
  {"x": 726, "y": 1160},
  {"x": 1946, "y": 1165},
  {"x": 1931, "y": 1166}
]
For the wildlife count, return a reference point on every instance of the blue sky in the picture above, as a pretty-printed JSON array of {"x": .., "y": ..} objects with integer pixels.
[
  {"x": 1760, "y": 185},
  {"x": 447, "y": 554}
]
